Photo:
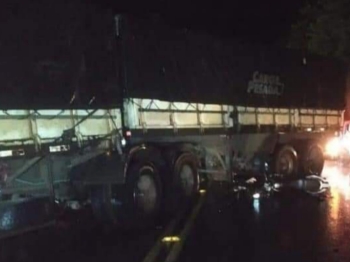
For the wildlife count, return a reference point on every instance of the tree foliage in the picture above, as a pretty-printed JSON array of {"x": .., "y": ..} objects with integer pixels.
[{"x": 323, "y": 28}]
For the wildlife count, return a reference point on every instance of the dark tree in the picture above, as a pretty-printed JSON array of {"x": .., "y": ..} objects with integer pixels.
[{"x": 323, "y": 28}]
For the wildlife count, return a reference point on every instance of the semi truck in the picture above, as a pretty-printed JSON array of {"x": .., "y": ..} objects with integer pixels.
[{"x": 128, "y": 117}]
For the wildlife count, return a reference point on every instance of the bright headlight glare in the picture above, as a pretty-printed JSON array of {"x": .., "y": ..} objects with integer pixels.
[
  {"x": 256, "y": 195},
  {"x": 276, "y": 185},
  {"x": 333, "y": 147}
]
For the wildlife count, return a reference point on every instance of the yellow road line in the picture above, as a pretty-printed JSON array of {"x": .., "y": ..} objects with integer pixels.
[
  {"x": 177, "y": 247},
  {"x": 154, "y": 252}
]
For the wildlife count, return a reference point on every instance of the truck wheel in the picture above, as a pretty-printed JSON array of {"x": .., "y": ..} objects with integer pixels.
[
  {"x": 133, "y": 205},
  {"x": 286, "y": 161},
  {"x": 144, "y": 191},
  {"x": 313, "y": 160},
  {"x": 186, "y": 179}
]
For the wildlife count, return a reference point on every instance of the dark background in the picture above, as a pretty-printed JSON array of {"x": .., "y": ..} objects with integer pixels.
[
  {"x": 182, "y": 65},
  {"x": 202, "y": 51},
  {"x": 267, "y": 21}
]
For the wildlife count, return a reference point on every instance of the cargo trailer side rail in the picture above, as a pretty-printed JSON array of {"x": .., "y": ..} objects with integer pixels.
[
  {"x": 40, "y": 127},
  {"x": 38, "y": 150},
  {"x": 28, "y": 138},
  {"x": 149, "y": 114}
]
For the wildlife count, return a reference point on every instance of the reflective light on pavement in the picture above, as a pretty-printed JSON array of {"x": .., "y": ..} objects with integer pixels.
[
  {"x": 171, "y": 239},
  {"x": 338, "y": 178}
]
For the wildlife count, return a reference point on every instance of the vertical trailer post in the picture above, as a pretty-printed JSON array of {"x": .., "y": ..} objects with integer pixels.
[{"x": 121, "y": 67}]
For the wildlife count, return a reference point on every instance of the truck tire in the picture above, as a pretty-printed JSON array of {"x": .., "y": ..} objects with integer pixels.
[
  {"x": 312, "y": 160},
  {"x": 143, "y": 193},
  {"x": 185, "y": 177},
  {"x": 135, "y": 204},
  {"x": 286, "y": 161}
]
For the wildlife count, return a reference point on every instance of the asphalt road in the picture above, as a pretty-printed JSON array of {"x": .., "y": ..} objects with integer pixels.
[{"x": 288, "y": 227}]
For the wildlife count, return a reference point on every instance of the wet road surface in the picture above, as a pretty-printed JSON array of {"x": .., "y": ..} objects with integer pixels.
[
  {"x": 289, "y": 227},
  {"x": 286, "y": 227}
]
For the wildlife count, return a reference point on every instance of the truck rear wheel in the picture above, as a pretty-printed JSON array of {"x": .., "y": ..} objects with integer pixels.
[
  {"x": 186, "y": 175},
  {"x": 185, "y": 184},
  {"x": 312, "y": 160},
  {"x": 145, "y": 186},
  {"x": 135, "y": 204},
  {"x": 286, "y": 161}
]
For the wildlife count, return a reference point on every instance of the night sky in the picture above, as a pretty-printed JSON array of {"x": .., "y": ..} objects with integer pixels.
[
  {"x": 265, "y": 21},
  {"x": 45, "y": 40}
]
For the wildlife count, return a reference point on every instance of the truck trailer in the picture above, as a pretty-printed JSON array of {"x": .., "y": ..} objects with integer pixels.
[{"x": 128, "y": 116}]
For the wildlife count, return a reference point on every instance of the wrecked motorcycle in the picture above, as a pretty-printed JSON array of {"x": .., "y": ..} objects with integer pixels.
[{"x": 264, "y": 185}]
